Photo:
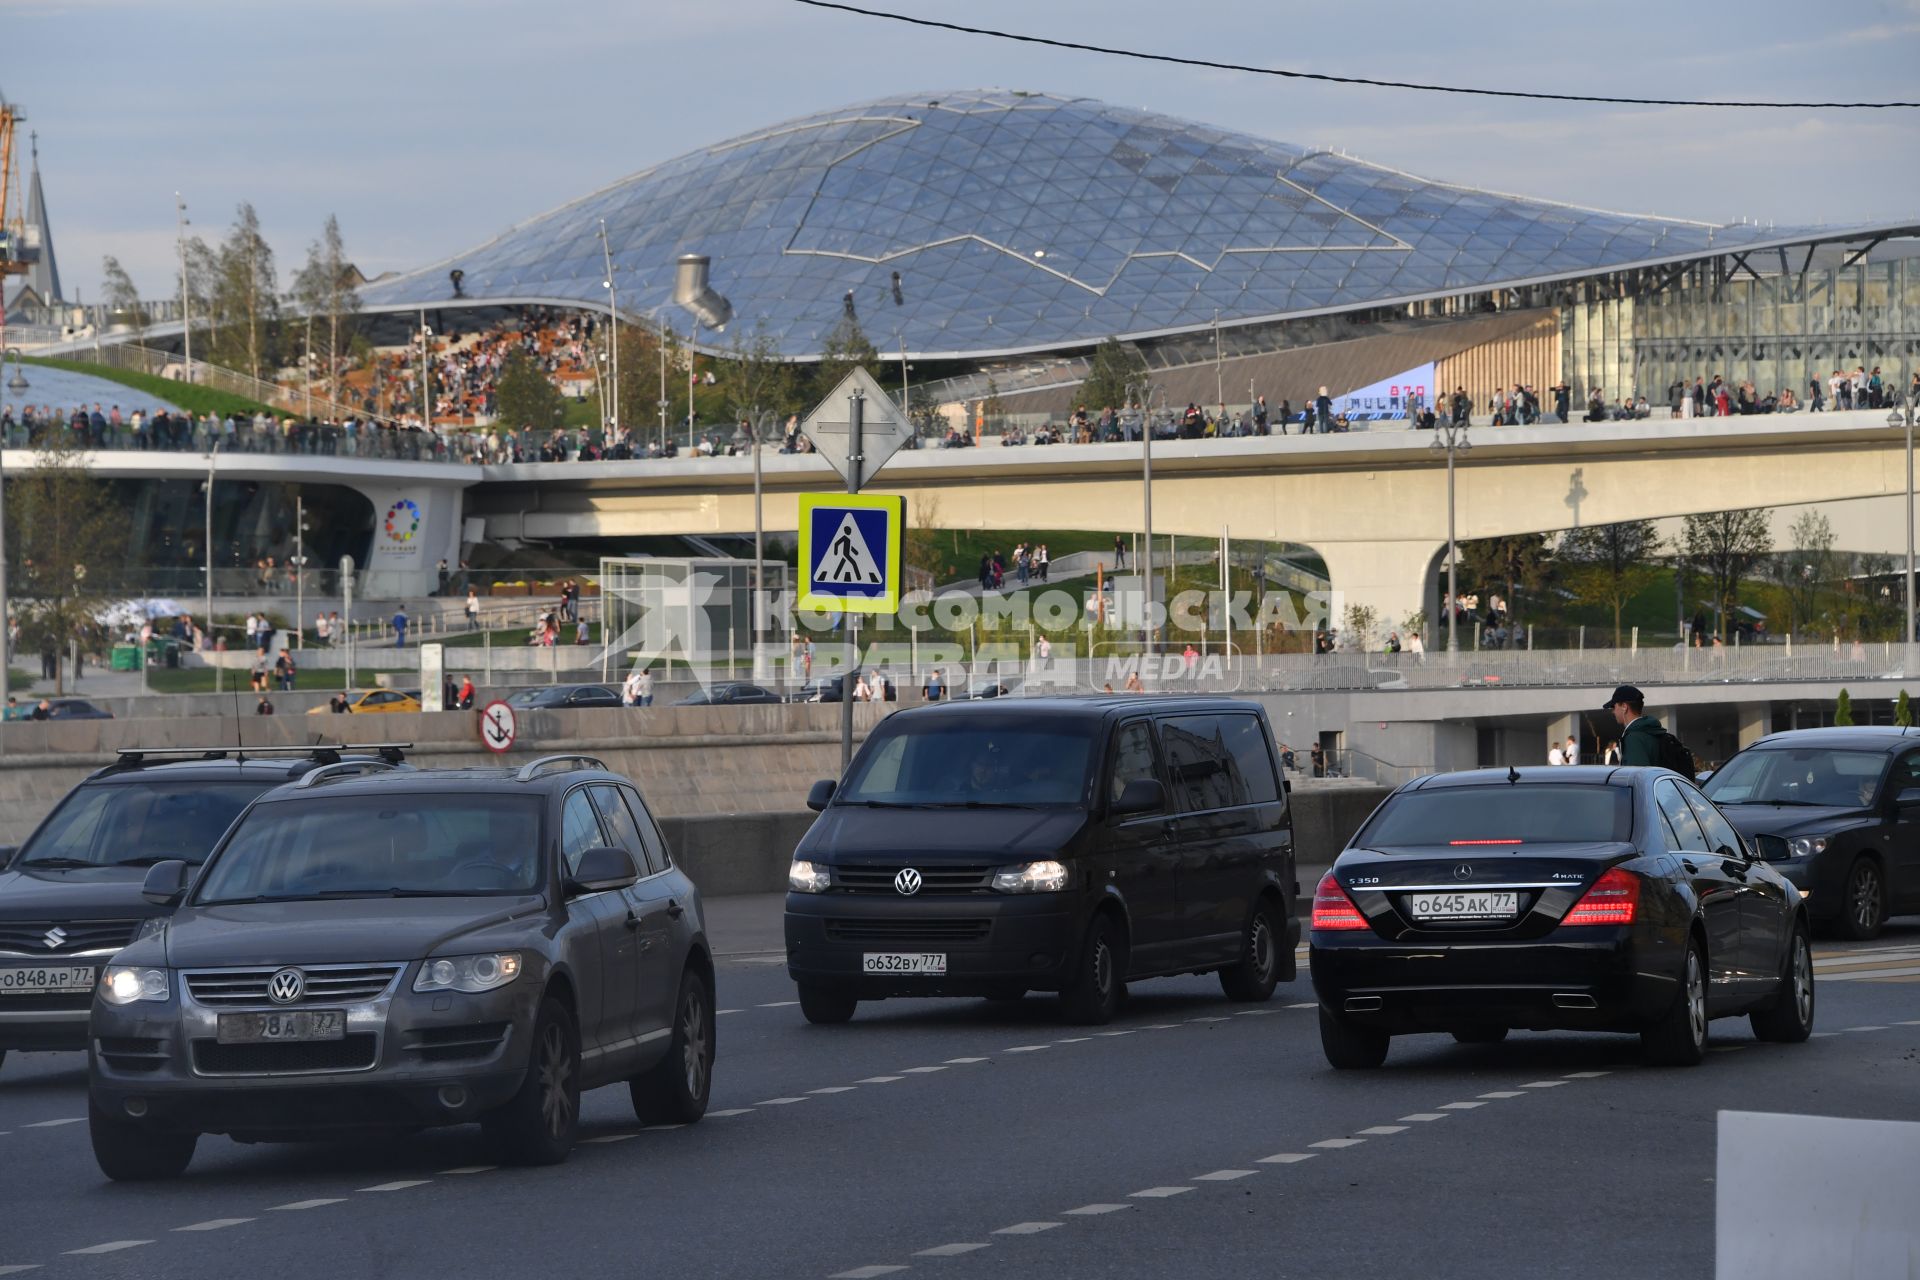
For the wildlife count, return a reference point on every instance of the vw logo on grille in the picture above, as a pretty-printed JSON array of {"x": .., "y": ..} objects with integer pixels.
[
  {"x": 54, "y": 937},
  {"x": 908, "y": 881},
  {"x": 1463, "y": 872},
  {"x": 286, "y": 986}
]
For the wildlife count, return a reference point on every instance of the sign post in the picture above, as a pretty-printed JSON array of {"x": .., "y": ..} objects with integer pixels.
[{"x": 433, "y": 677}]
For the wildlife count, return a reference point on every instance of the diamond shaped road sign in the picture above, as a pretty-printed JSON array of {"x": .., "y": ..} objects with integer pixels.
[{"x": 883, "y": 428}]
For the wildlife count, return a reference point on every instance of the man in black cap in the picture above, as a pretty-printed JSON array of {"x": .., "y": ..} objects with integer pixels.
[{"x": 1639, "y": 732}]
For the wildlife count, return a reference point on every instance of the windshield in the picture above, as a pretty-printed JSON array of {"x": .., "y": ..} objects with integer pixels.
[
  {"x": 131, "y": 823},
  {"x": 391, "y": 846},
  {"x": 1486, "y": 815},
  {"x": 1799, "y": 776},
  {"x": 972, "y": 762}
]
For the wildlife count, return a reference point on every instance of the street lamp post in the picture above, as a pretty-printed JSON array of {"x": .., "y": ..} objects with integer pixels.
[
  {"x": 1219, "y": 371},
  {"x": 426, "y": 389},
  {"x": 213, "y": 458},
  {"x": 1450, "y": 437},
  {"x": 613, "y": 322},
  {"x": 186, "y": 306},
  {"x": 1903, "y": 416}
]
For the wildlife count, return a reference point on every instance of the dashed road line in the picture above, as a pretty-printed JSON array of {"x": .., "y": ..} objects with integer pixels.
[
  {"x": 779, "y": 1102},
  {"x": 15, "y": 1268},
  {"x": 1097, "y": 1210},
  {"x": 1382, "y": 1130},
  {"x": 1336, "y": 1144},
  {"x": 1587, "y": 1075},
  {"x": 400, "y": 1185},
  {"x": 605, "y": 1137},
  {"x": 1286, "y": 1157},
  {"x": 1026, "y": 1048},
  {"x": 1225, "y": 1175},
  {"x": 920, "y": 1071},
  {"x": 950, "y": 1250},
  {"x": 111, "y": 1246},
  {"x": 215, "y": 1224},
  {"x": 834, "y": 1088},
  {"x": 1461, "y": 1106},
  {"x": 864, "y": 1273},
  {"x": 880, "y": 1079},
  {"x": 966, "y": 1062},
  {"x": 730, "y": 1111},
  {"x": 1422, "y": 1116},
  {"x": 53, "y": 1124},
  {"x": 777, "y": 1004},
  {"x": 1084, "y": 1039},
  {"x": 296, "y": 1205},
  {"x": 468, "y": 1168},
  {"x": 1504, "y": 1093},
  {"x": 1026, "y": 1228},
  {"x": 1543, "y": 1084},
  {"x": 1159, "y": 1193},
  {"x": 1866, "y": 1028}
]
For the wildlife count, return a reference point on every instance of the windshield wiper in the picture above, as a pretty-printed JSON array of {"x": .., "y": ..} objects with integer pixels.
[
  {"x": 150, "y": 859},
  {"x": 326, "y": 895},
  {"x": 984, "y": 804},
  {"x": 58, "y": 864}
]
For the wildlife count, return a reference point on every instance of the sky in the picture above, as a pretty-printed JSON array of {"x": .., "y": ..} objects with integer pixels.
[{"x": 428, "y": 126}]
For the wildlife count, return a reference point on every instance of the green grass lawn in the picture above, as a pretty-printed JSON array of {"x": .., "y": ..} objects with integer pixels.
[
  {"x": 197, "y": 400},
  {"x": 201, "y": 679}
]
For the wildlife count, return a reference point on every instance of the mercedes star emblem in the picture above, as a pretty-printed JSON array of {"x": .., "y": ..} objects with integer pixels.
[
  {"x": 54, "y": 937},
  {"x": 908, "y": 881},
  {"x": 286, "y": 986},
  {"x": 1463, "y": 872}
]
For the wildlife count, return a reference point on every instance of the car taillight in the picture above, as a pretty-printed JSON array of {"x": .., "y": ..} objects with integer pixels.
[
  {"x": 1613, "y": 899},
  {"x": 1333, "y": 909}
]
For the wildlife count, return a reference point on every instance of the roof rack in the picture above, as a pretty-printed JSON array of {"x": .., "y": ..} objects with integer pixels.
[
  {"x": 349, "y": 769},
  {"x": 318, "y": 752},
  {"x": 547, "y": 764}
]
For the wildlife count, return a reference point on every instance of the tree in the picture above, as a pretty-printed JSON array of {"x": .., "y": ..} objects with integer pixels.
[
  {"x": 246, "y": 298},
  {"x": 1610, "y": 564},
  {"x": 65, "y": 535},
  {"x": 757, "y": 383},
  {"x": 921, "y": 544},
  {"x": 1903, "y": 711},
  {"x": 1518, "y": 563},
  {"x": 1361, "y": 620},
  {"x": 324, "y": 290},
  {"x": 845, "y": 349},
  {"x": 202, "y": 267},
  {"x": 1843, "y": 708},
  {"x": 526, "y": 397},
  {"x": 1118, "y": 369},
  {"x": 1725, "y": 546},
  {"x": 1804, "y": 571},
  {"x": 121, "y": 298}
]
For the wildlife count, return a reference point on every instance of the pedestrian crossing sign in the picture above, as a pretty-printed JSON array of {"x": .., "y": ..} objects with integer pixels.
[{"x": 850, "y": 551}]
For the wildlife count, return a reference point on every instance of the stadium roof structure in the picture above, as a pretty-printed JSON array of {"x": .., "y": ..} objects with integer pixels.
[{"x": 1026, "y": 222}]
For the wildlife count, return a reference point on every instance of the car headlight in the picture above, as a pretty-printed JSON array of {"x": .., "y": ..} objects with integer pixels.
[
  {"x": 150, "y": 926},
  {"x": 1032, "y": 877},
  {"x": 121, "y": 984},
  {"x": 808, "y": 877},
  {"x": 468, "y": 973},
  {"x": 1806, "y": 846}
]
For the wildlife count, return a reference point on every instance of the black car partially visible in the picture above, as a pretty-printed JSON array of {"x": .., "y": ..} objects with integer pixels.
[
  {"x": 1581, "y": 899},
  {"x": 566, "y": 695},
  {"x": 1837, "y": 812},
  {"x": 732, "y": 693}
]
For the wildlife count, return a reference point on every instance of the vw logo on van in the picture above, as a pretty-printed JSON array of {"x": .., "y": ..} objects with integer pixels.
[
  {"x": 908, "y": 881},
  {"x": 286, "y": 986}
]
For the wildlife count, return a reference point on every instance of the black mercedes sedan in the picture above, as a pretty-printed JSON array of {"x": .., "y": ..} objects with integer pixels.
[
  {"x": 1837, "y": 812},
  {"x": 1554, "y": 899}
]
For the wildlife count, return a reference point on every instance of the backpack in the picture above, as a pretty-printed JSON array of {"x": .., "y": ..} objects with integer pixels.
[{"x": 1671, "y": 753}]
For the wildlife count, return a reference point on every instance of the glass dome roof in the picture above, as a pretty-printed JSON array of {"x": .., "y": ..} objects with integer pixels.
[{"x": 1027, "y": 222}]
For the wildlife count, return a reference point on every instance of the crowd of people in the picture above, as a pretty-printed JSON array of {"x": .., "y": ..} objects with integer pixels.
[{"x": 1030, "y": 562}]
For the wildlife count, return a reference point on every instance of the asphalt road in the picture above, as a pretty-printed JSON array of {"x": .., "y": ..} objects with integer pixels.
[{"x": 1192, "y": 1138}]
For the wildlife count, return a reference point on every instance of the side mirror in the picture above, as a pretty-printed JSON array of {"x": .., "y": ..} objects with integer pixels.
[
  {"x": 1910, "y": 795},
  {"x": 1142, "y": 795},
  {"x": 820, "y": 794},
  {"x": 166, "y": 883},
  {"x": 7, "y": 852},
  {"x": 603, "y": 867}
]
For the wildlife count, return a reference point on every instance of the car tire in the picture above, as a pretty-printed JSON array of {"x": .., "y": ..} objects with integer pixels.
[
  {"x": 675, "y": 1089},
  {"x": 1349, "y": 1047},
  {"x": 824, "y": 1006},
  {"x": 1252, "y": 980},
  {"x": 129, "y": 1152},
  {"x": 537, "y": 1125},
  {"x": 1790, "y": 1018},
  {"x": 1679, "y": 1038},
  {"x": 1093, "y": 993},
  {"x": 1480, "y": 1035},
  {"x": 1863, "y": 902}
]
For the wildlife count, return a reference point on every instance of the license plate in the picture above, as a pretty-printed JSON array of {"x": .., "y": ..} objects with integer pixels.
[
  {"x": 47, "y": 980},
  {"x": 263, "y": 1028},
  {"x": 926, "y": 963},
  {"x": 1464, "y": 906}
]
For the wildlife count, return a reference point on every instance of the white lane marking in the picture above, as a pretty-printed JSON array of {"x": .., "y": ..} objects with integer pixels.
[
  {"x": 1026, "y": 1228},
  {"x": 1114, "y": 1033},
  {"x": 950, "y": 1250},
  {"x": 1286, "y": 1157},
  {"x": 1160, "y": 1193},
  {"x": 864, "y": 1273},
  {"x": 1461, "y": 1106},
  {"x": 1855, "y": 975},
  {"x": 1866, "y": 1028},
  {"x": 777, "y": 1004},
  {"x": 718, "y": 1012},
  {"x": 1587, "y": 1075},
  {"x": 730, "y": 1111},
  {"x": 965, "y": 1062},
  {"x": 1206, "y": 1020},
  {"x": 468, "y": 1168},
  {"x": 306, "y": 1204},
  {"x": 16, "y": 1268},
  {"x": 879, "y": 1079},
  {"x": 1304, "y": 1005},
  {"x": 111, "y": 1246},
  {"x": 401, "y": 1185},
  {"x": 611, "y": 1137},
  {"x": 1911, "y": 1022},
  {"x": 1504, "y": 1093},
  {"x": 53, "y": 1124},
  {"x": 1074, "y": 1040},
  {"x": 1548, "y": 1084},
  {"x": 1224, "y": 1175},
  {"x": 1426, "y": 1115},
  {"x": 214, "y": 1224},
  {"x": 1026, "y": 1048},
  {"x": 1095, "y": 1210},
  {"x": 1382, "y": 1130},
  {"x": 779, "y": 1102},
  {"x": 834, "y": 1088},
  {"x": 1334, "y": 1144},
  {"x": 1824, "y": 1035},
  {"x": 660, "y": 1128},
  {"x": 1727, "y": 1048},
  {"x": 920, "y": 1071},
  {"x": 1160, "y": 1026},
  {"x": 1250, "y": 1013}
]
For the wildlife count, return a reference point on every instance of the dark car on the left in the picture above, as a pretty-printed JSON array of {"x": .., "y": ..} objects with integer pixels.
[
  {"x": 557, "y": 696},
  {"x": 733, "y": 693},
  {"x": 70, "y": 895}
]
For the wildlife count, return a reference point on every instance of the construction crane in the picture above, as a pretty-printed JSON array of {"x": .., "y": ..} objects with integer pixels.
[{"x": 16, "y": 254}]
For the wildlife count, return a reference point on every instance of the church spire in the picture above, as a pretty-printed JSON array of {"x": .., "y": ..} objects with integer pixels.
[{"x": 43, "y": 274}]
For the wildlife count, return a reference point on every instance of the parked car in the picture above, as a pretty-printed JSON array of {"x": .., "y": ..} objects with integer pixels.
[
  {"x": 1565, "y": 899},
  {"x": 1837, "y": 812},
  {"x": 733, "y": 693},
  {"x": 74, "y": 709},
  {"x": 365, "y": 701},
  {"x": 379, "y": 949},
  {"x": 827, "y": 689},
  {"x": 70, "y": 895},
  {"x": 566, "y": 695},
  {"x": 1046, "y": 844},
  {"x": 996, "y": 687}
]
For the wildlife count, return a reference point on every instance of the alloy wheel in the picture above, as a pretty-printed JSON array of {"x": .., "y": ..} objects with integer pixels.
[
  {"x": 693, "y": 1034},
  {"x": 556, "y": 1076},
  {"x": 1696, "y": 999},
  {"x": 1866, "y": 897},
  {"x": 1802, "y": 980}
]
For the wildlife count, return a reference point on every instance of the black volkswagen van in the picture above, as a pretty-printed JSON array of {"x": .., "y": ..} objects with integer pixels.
[{"x": 1047, "y": 844}]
